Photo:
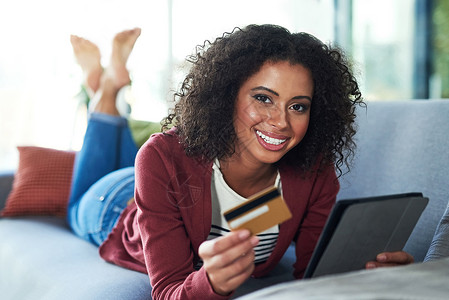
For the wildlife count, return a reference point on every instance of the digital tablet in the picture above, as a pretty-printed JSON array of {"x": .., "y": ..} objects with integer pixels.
[{"x": 359, "y": 229}]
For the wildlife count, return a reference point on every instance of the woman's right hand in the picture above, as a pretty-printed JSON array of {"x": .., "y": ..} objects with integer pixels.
[{"x": 228, "y": 260}]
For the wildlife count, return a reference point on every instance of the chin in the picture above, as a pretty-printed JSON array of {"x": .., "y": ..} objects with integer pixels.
[{"x": 270, "y": 158}]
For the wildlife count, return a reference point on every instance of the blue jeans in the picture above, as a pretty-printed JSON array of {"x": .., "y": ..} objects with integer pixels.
[{"x": 103, "y": 177}]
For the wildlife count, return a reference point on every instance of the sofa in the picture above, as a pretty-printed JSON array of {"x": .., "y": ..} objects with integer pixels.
[
  {"x": 402, "y": 147},
  {"x": 420, "y": 281}
]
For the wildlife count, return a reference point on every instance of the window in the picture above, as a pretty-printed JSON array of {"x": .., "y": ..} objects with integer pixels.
[
  {"x": 400, "y": 47},
  {"x": 439, "y": 81},
  {"x": 382, "y": 45}
]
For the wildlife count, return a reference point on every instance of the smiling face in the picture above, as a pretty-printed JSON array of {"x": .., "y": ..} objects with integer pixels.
[{"x": 272, "y": 112}]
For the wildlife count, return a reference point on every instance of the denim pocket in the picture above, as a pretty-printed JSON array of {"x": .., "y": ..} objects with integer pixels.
[
  {"x": 116, "y": 200},
  {"x": 108, "y": 199}
]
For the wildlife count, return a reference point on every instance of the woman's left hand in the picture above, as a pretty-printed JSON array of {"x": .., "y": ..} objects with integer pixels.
[{"x": 390, "y": 259}]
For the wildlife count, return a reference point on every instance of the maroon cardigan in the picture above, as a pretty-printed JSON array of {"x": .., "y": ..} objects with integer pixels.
[{"x": 160, "y": 234}]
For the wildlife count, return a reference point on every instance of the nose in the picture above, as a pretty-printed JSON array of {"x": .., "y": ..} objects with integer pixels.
[{"x": 278, "y": 118}]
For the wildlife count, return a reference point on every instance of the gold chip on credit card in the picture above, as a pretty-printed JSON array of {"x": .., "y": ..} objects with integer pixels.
[{"x": 260, "y": 212}]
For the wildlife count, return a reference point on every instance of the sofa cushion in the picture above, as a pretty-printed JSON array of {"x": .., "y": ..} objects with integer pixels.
[
  {"x": 60, "y": 265},
  {"x": 41, "y": 184},
  {"x": 416, "y": 281}
]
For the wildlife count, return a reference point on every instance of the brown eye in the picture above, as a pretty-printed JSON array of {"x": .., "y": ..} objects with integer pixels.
[
  {"x": 262, "y": 98},
  {"x": 299, "y": 107}
]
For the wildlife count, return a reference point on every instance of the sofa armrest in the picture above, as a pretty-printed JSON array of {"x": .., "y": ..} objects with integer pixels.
[{"x": 6, "y": 180}]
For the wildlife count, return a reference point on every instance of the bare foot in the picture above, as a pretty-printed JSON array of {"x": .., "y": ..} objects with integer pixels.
[
  {"x": 122, "y": 46},
  {"x": 88, "y": 57}
]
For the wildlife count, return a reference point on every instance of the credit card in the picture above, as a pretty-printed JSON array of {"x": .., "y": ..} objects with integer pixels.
[{"x": 260, "y": 212}]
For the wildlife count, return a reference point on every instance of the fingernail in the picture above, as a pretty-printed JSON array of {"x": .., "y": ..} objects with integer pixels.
[
  {"x": 254, "y": 240},
  {"x": 370, "y": 265},
  {"x": 381, "y": 257},
  {"x": 244, "y": 234}
]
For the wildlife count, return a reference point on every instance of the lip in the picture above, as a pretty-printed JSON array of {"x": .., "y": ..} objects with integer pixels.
[{"x": 268, "y": 146}]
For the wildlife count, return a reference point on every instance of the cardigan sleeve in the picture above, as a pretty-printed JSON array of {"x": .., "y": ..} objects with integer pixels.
[
  {"x": 322, "y": 198},
  {"x": 168, "y": 252}
]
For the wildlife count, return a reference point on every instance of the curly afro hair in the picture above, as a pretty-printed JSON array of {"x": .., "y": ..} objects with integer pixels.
[{"x": 204, "y": 109}]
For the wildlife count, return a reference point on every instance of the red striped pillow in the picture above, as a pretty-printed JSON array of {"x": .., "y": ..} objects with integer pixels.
[{"x": 41, "y": 184}]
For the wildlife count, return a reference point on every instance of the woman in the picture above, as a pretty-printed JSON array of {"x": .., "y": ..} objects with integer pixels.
[{"x": 260, "y": 107}]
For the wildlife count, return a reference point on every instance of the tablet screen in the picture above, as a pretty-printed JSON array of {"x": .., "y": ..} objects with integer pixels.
[{"x": 359, "y": 229}]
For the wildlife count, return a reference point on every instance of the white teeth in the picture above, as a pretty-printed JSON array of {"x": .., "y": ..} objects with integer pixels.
[{"x": 270, "y": 140}]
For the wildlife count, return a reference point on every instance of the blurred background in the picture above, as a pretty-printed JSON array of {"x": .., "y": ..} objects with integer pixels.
[{"x": 400, "y": 50}]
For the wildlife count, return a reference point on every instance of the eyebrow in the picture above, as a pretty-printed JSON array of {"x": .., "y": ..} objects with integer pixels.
[{"x": 275, "y": 93}]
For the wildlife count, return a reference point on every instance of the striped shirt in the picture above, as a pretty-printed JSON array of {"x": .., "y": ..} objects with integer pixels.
[{"x": 223, "y": 199}]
